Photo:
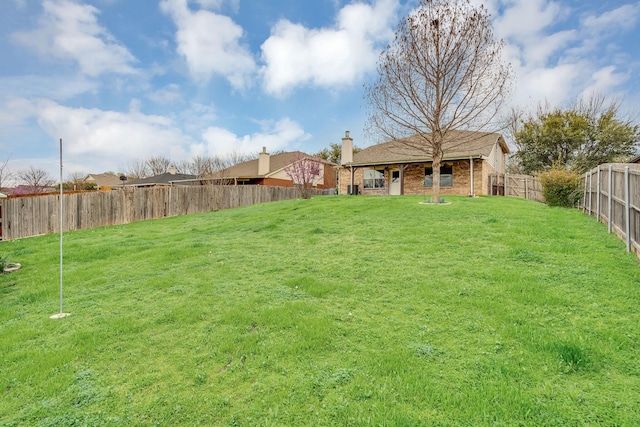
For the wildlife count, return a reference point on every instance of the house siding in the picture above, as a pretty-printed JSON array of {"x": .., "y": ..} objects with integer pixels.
[
  {"x": 275, "y": 182},
  {"x": 413, "y": 178},
  {"x": 330, "y": 177}
]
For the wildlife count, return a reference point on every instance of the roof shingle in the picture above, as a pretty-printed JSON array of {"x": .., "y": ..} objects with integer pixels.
[{"x": 457, "y": 145}]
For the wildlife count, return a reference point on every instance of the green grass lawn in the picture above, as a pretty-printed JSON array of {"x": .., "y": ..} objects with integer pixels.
[{"x": 330, "y": 311}]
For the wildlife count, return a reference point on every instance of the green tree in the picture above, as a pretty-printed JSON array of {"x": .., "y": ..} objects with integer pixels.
[
  {"x": 580, "y": 137},
  {"x": 333, "y": 154}
]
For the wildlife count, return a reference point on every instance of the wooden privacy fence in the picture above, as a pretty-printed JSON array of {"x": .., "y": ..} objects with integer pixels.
[
  {"x": 523, "y": 186},
  {"x": 32, "y": 216},
  {"x": 612, "y": 195}
]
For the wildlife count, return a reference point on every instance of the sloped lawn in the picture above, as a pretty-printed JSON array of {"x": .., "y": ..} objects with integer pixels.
[{"x": 330, "y": 311}]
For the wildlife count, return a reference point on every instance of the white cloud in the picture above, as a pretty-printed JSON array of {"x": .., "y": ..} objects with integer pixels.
[
  {"x": 48, "y": 86},
  {"x": 295, "y": 55},
  {"x": 551, "y": 84},
  {"x": 14, "y": 111},
  {"x": 623, "y": 18},
  {"x": 109, "y": 137},
  {"x": 217, "y": 4},
  {"x": 99, "y": 140},
  {"x": 556, "y": 59},
  {"x": 70, "y": 31},
  {"x": 169, "y": 94},
  {"x": 210, "y": 43},
  {"x": 524, "y": 20},
  {"x": 274, "y": 136},
  {"x": 605, "y": 80}
]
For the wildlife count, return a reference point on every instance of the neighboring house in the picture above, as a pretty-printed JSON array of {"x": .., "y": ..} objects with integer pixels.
[
  {"x": 271, "y": 170},
  {"x": 395, "y": 168},
  {"x": 24, "y": 190},
  {"x": 103, "y": 181},
  {"x": 635, "y": 160},
  {"x": 3, "y": 196},
  {"x": 166, "y": 179}
]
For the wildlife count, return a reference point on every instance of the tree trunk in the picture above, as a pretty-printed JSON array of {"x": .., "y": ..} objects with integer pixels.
[{"x": 435, "y": 188}]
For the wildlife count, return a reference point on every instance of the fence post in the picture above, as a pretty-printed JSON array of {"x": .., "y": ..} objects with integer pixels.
[
  {"x": 505, "y": 184},
  {"x": 598, "y": 194},
  {"x": 590, "y": 192},
  {"x": 627, "y": 207},
  {"x": 584, "y": 198},
  {"x": 526, "y": 188},
  {"x": 609, "y": 207}
]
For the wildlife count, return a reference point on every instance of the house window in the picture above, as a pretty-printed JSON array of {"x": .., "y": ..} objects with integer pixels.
[
  {"x": 374, "y": 178},
  {"x": 446, "y": 175}
]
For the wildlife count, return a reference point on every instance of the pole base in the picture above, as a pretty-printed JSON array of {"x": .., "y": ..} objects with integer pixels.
[{"x": 59, "y": 315}]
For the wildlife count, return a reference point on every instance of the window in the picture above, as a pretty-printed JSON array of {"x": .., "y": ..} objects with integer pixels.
[
  {"x": 374, "y": 178},
  {"x": 446, "y": 175}
]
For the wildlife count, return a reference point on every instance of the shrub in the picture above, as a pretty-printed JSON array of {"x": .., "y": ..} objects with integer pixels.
[{"x": 561, "y": 187}]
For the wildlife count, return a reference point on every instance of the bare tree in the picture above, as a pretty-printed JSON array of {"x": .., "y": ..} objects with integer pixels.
[
  {"x": 35, "y": 179},
  {"x": 201, "y": 166},
  {"x": 220, "y": 165},
  {"x": 75, "y": 181},
  {"x": 304, "y": 171},
  {"x": 158, "y": 165},
  {"x": 230, "y": 159},
  {"x": 442, "y": 72},
  {"x": 183, "y": 166},
  {"x": 5, "y": 173},
  {"x": 136, "y": 169}
]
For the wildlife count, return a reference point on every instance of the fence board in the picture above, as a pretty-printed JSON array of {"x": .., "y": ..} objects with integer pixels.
[
  {"x": 596, "y": 188},
  {"x": 32, "y": 216},
  {"x": 522, "y": 186}
]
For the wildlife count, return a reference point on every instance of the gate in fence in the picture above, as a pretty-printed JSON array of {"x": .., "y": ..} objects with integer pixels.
[{"x": 523, "y": 186}]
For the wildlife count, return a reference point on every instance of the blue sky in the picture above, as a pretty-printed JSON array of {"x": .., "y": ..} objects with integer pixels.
[{"x": 121, "y": 80}]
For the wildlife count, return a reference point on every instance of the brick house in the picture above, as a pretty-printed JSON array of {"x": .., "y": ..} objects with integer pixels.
[
  {"x": 396, "y": 168},
  {"x": 271, "y": 170}
]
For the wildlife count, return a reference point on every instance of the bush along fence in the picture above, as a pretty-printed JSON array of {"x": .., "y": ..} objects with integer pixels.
[
  {"x": 612, "y": 195},
  {"x": 523, "y": 186},
  {"x": 31, "y": 216}
]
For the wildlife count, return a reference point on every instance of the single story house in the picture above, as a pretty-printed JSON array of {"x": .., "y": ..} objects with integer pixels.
[
  {"x": 635, "y": 160},
  {"x": 271, "y": 170},
  {"x": 399, "y": 167},
  {"x": 165, "y": 179},
  {"x": 103, "y": 181}
]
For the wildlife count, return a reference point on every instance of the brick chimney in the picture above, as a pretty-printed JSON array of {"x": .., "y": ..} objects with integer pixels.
[
  {"x": 347, "y": 149},
  {"x": 264, "y": 162}
]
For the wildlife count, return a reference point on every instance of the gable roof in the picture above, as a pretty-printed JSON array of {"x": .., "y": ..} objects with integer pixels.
[
  {"x": 249, "y": 169},
  {"x": 457, "y": 145},
  {"x": 104, "y": 179},
  {"x": 166, "y": 178},
  {"x": 635, "y": 159}
]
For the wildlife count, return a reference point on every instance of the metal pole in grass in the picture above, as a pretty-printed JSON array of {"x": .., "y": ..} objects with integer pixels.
[{"x": 61, "y": 314}]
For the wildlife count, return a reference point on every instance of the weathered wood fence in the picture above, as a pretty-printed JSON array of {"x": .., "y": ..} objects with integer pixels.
[
  {"x": 32, "y": 216},
  {"x": 612, "y": 195},
  {"x": 523, "y": 186}
]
